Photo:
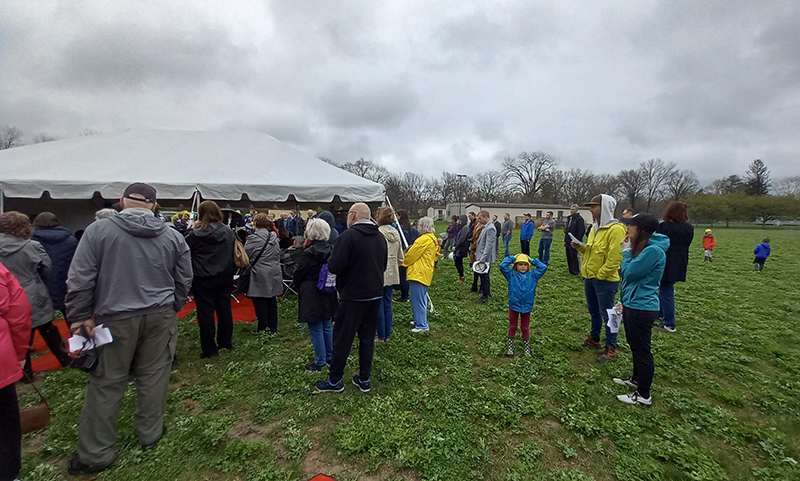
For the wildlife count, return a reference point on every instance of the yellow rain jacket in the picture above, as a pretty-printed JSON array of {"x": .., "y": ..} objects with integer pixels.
[
  {"x": 602, "y": 254},
  {"x": 420, "y": 258}
]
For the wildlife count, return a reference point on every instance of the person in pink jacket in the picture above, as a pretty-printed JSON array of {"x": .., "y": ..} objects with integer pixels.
[{"x": 15, "y": 330}]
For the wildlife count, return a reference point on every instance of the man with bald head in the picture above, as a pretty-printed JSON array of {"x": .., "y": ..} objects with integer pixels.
[
  {"x": 132, "y": 274},
  {"x": 358, "y": 260}
]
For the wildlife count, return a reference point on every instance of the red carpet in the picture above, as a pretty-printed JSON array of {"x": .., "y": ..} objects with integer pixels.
[{"x": 243, "y": 311}]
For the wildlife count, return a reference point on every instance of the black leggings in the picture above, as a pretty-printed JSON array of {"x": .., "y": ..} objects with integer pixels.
[
  {"x": 10, "y": 434},
  {"x": 213, "y": 295},
  {"x": 52, "y": 338},
  {"x": 638, "y": 329},
  {"x": 459, "y": 260},
  {"x": 267, "y": 313}
]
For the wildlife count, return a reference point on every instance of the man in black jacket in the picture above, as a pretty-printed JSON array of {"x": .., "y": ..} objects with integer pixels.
[
  {"x": 358, "y": 260},
  {"x": 575, "y": 226}
]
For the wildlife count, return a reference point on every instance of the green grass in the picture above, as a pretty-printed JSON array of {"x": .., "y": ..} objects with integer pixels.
[{"x": 447, "y": 406}]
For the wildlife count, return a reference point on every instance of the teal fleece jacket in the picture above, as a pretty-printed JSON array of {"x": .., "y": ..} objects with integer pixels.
[{"x": 641, "y": 275}]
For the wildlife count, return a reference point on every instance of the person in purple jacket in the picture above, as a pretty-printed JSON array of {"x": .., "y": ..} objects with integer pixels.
[
  {"x": 762, "y": 252},
  {"x": 452, "y": 232}
]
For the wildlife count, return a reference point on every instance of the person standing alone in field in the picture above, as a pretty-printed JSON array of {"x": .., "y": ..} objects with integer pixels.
[
  {"x": 576, "y": 226},
  {"x": 358, "y": 260},
  {"x": 761, "y": 251},
  {"x": 138, "y": 302},
  {"x": 709, "y": 242}
]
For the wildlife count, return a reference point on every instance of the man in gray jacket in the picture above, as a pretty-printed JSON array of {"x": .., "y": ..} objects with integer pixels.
[
  {"x": 132, "y": 274},
  {"x": 485, "y": 252}
]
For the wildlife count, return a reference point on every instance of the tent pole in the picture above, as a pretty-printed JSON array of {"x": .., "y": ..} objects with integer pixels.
[{"x": 2, "y": 202}]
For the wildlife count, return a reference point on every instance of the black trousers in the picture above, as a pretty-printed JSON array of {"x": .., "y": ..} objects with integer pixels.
[
  {"x": 525, "y": 246},
  {"x": 354, "y": 317},
  {"x": 638, "y": 329},
  {"x": 459, "y": 261},
  {"x": 213, "y": 294},
  {"x": 10, "y": 434},
  {"x": 267, "y": 313},
  {"x": 52, "y": 338},
  {"x": 572, "y": 260},
  {"x": 485, "y": 289}
]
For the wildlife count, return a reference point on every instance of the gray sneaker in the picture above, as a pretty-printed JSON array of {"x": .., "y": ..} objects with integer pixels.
[
  {"x": 669, "y": 329},
  {"x": 628, "y": 381},
  {"x": 635, "y": 398}
]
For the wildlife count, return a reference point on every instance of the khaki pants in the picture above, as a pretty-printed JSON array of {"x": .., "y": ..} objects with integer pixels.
[{"x": 144, "y": 345}]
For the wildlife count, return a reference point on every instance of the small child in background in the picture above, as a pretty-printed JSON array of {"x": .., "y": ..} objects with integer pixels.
[
  {"x": 709, "y": 241},
  {"x": 521, "y": 291},
  {"x": 762, "y": 252}
]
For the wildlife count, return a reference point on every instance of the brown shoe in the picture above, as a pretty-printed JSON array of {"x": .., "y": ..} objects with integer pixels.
[
  {"x": 609, "y": 354},
  {"x": 591, "y": 342},
  {"x": 460, "y": 279}
]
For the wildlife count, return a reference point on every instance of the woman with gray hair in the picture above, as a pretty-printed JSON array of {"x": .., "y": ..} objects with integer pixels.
[
  {"x": 419, "y": 260},
  {"x": 315, "y": 305}
]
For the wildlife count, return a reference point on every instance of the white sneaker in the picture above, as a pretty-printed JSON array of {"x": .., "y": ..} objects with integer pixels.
[
  {"x": 669, "y": 329},
  {"x": 416, "y": 329},
  {"x": 413, "y": 323},
  {"x": 635, "y": 398},
  {"x": 628, "y": 381}
]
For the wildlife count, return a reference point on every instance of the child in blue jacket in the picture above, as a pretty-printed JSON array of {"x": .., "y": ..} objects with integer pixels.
[
  {"x": 643, "y": 260},
  {"x": 762, "y": 252},
  {"x": 521, "y": 292}
]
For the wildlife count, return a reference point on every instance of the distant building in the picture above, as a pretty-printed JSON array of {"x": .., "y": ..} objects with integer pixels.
[
  {"x": 438, "y": 213},
  {"x": 518, "y": 211}
]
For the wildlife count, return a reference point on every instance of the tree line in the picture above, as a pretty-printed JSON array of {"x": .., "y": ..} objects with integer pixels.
[{"x": 535, "y": 177}]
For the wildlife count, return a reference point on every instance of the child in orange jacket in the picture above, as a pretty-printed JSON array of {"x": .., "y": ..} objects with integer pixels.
[{"x": 709, "y": 241}]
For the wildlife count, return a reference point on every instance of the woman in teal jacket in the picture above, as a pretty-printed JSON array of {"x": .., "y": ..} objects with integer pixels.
[{"x": 643, "y": 261}]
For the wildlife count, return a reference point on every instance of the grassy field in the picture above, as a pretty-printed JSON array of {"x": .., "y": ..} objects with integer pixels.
[{"x": 445, "y": 405}]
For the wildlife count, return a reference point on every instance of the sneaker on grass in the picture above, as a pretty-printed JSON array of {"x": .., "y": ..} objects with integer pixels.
[
  {"x": 635, "y": 398},
  {"x": 315, "y": 367},
  {"x": 628, "y": 381},
  {"x": 669, "y": 329},
  {"x": 417, "y": 329},
  {"x": 326, "y": 386},
  {"x": 363, "y": 385},
  {"x": 77, "y": 467}
]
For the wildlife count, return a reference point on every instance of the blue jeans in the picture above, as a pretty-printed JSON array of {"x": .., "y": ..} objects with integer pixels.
[
  {"x": 544, "y": 250},
  {"x": 599, "y": 297},
  {"x": 322, "y": 339},
  {"x": 506, "y": 240},
  {"x": 419, "y": 303},
  {"x": 666, "y": 298},
  {"x": 385, "y": 313}
]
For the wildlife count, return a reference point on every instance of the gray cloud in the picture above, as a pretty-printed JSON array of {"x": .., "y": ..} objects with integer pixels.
[{"x": 367, "y": 106}]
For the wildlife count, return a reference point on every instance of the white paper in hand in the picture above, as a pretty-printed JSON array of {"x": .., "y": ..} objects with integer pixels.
[
  {"x": 575, "y": 239},
  {"x": 102, "y": 336},
  {"x": 614, "y": 320}
]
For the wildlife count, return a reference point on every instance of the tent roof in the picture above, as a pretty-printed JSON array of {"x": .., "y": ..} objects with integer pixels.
[{"x": 221, "y": 165}]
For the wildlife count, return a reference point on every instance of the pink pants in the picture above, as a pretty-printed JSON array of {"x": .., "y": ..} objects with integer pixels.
[{"x": 525, "y": 324}]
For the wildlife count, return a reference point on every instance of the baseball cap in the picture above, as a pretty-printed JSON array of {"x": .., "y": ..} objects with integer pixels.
[
  {"x": 528, "y": 214},
  {"x": 644, "y": 222},
  {"x": 147, "y": 192},
  {"x": 596, "y": 200}
]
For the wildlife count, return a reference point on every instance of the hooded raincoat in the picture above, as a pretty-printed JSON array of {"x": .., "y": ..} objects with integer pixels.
[
  {"x": 641, "y": 275},
  {"x": 522, "y": 287},
  {"x": 60, "y": 245},
  {"x": 420, "y": 258},
  {"x": 29, "y": 263},
  {"x": 265, "y": 278},
  {"x": 391, "y": 277},
  {"x": 602, "y": 253}
]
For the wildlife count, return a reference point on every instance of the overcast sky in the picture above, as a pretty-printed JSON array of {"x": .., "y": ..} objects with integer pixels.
[{"x": 423, "y": 86}]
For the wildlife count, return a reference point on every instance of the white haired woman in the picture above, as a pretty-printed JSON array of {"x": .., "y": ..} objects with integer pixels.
[
  {"x": 419, "y": 260},
  {"x": 315, "y": 305}
]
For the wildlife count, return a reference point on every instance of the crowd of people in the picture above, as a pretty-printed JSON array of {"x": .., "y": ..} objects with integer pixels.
[{"x": 131, "y": 272}]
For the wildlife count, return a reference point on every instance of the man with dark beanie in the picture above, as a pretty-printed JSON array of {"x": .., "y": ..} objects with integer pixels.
[{"x": 358, "y": 260}]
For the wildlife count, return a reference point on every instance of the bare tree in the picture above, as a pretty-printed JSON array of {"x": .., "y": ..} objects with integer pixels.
[
  {"x": 10, "y": 137},
  {"x": 790, "y": 187},
  {"x": 43, "y": 137},
  {"x": 491, "y": 186},
  {"x": 605, "y": 184},
  {"x": 681, "y": 184},
  {"x": 579, "y": 186},
  {"x": 726, "y": 185},
  {"x": 631, "y": 185},
  {"x": 329, "y": 161},
  {"x": 655, "y": 173},
  {"x": 368, "y": 170},
  {"x": 528, "y": 171}
]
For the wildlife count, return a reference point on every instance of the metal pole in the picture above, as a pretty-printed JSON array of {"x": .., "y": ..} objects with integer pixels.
[{"x": 2, "y": 202}]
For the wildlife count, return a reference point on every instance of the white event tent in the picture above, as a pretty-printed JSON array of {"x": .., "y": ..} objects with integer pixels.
[{"x": 74, "y": 177}]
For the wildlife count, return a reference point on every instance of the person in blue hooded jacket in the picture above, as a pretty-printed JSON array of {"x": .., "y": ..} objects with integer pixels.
[
  {"x": 762, "y": 252},
  {"x": 522, "y": 281},
  {"x": 643, "y": 260}
]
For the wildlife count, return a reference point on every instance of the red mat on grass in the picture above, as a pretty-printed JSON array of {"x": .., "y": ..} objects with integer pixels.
[
  {"x": 322, "y": 477},
  {"x": 243, "y": 311}
]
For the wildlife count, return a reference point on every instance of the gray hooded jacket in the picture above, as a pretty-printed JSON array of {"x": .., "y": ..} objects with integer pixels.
[
  {"x": 29, "y": 263},
  {"x": 129, "y": 265}
]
